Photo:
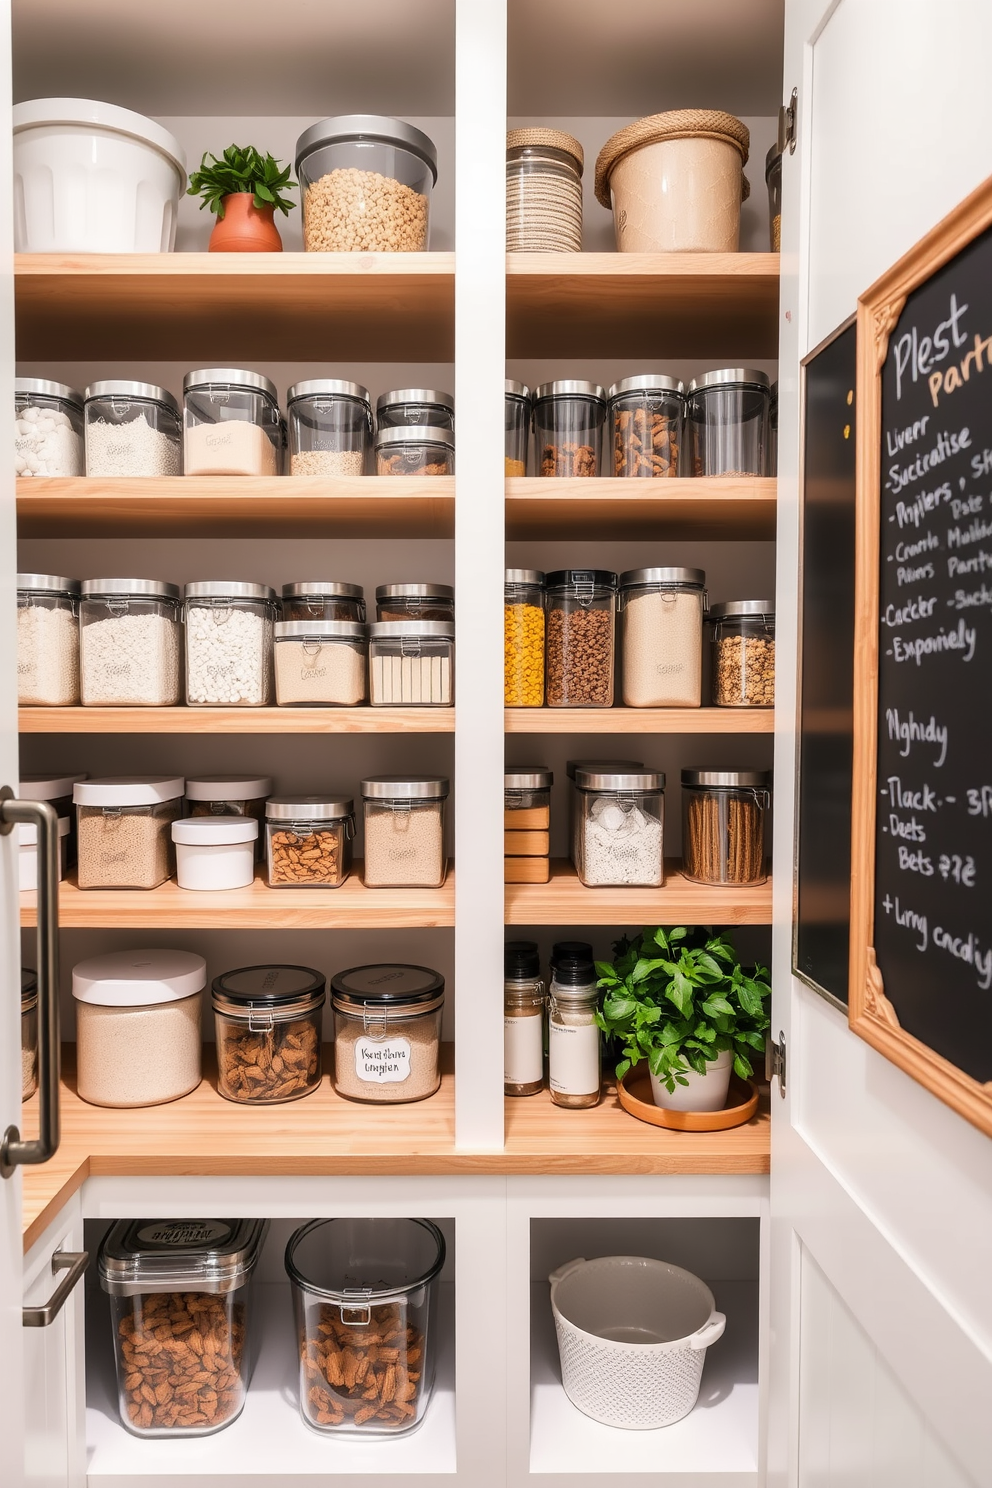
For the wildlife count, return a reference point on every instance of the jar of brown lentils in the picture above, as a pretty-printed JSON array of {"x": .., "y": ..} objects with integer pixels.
[{"x": 579, "y": 638}]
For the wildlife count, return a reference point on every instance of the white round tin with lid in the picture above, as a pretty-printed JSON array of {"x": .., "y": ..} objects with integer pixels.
[{"x": 215, "y": 852}]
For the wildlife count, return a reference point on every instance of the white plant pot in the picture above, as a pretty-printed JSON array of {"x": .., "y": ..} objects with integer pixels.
[{"x": 703, "y": 1093}]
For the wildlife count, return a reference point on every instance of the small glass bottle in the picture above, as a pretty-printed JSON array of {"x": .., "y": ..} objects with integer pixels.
[
  {"x": 574, "y": 1067},
  {"x": 523, "y": 1019}
]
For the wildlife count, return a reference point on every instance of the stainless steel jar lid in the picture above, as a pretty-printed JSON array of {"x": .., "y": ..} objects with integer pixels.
[
  {"x": 527, "y": 777},
  {"x": 29, "y": 989},
  {"x": 405, "y": 788},
  {"x": 730, "y": 377},
  {"x": 229, "y": 589},
  {"x": 729, "y": 779},
  {"x": 516, "y": 389},
  {"x": 373, "y": 127},
  {"x": 328, "y": 387},
  {"x": 205, "y": 377},
  {"x": 647, "y": 382},
  {"x": 415, "y": 434},
  {"x": 414, "y": 591},
  {"x": 415, "y": 395},
  {"x": 309, "y": 808},
  {"x": 319, "y": 630},
  {"x": 121, "y": 388},
  {"x": 570, "y": 388},
  {"x": 322, "y": 589},
  {"x": 624, "y": 767},
  {"x": 228, "y": 787},
  {"x": 523, "y": 576},
  {"x": 640, "y": 578},
  {"x": 130, "y": 588},
  {"x": 288, "y": 989},
  {"x": 581, "y": 578},
  {"x": 757, "y": 607},
  {"x": 619, "y": 780},
  {"x": 44, "y": 388},
  {"x": 387, "y": 985},
  {"x": 165, "y": 1255},
  {"x": 46, "y": 584},
  {"x": 412, "y": 630}
]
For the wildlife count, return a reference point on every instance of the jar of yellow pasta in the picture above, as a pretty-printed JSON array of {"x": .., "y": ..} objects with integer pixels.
[{"x": 523, "y": 637}]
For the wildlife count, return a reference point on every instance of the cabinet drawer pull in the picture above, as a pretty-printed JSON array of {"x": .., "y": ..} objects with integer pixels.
[{"x": 73, "y": 1263}]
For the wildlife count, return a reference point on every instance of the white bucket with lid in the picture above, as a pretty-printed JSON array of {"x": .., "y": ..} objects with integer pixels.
[{"x": 215, "y": 852}]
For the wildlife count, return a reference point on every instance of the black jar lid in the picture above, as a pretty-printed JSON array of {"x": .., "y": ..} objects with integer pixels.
[
  {"x": 268, "y": 987},
  {"x": 521, "y": 960},
  {"x": 570, "y": 950},
  {"x": 581, "y": 578},
  {"x": 389, "y": 984},
  {"x": 574, "y": 971}
]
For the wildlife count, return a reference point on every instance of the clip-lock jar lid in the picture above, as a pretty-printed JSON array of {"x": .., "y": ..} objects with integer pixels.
[
  {"x": 239, "y": 377},
  {"x": 433, "y": 397},
  {"x": 38, "y": 787},
  {"x": 388, "y": 986},
  {"x": 229, "y": 589},
  {"x": 642, "y": 578},
  {"x": 523, "y": 576},
  {"x": 514, "y": 389},
  {"x": 322, "y": 589},
  {"x": 374, "y": 127},
  {"x": 165, "y": 1255},
  {"x": 758, "y": 607},
  {"x": 122, "y": 388},
  {"x": 412, "y": 630},
  {"x": 527, "y": 777},
  {"x": 414, "y": 591},
  {"x": 572, "y": 767},
  {"x": 128, "y": 790},
  {"x": 29, "y": 989},
  {"x": 581, "y": 578},
  {"x": 328, "y": 387},
  {"x": 309, "y": 808},
  {"x": 620, "y": 780},
  {"x": 405, "y": 788},
  {"x": 570, "y": 387},
  {"x": 138, "y": 978},
  {"x": 415, "y": 434},
  {"x": 129, "y": 589},
  {"x": 214, "y": 831},
  {"x": 319, "y": 630},
  {"x": 288, "y": 989},
  {"x": 647, "y": 382},
  {"x": 730, "y": 377},
  {"x": 354, "y": 1274},
  {"x": 43, "y": 387},
  {"x": 28, "y": 583},
  {"x": 729, "y": 779},
  {"x": 228, "y": 787}
]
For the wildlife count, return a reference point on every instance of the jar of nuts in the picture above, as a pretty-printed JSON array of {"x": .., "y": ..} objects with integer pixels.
[
  {"x": 415, "y": 450},
  {"x": 742, "y": 644},
  {"x": 309, "y": 841},
  {"x": 646, "y": 417},
  {"x": 568, "y": 428},
  {"x": 579, "y": 649},
  {"x": 366, "y": 185},
  {"x": 267, "y": 1022},
  {"x": 523, "y": 638}
]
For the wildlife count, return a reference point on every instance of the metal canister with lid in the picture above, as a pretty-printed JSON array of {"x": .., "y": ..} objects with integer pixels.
[
  {"x": 47, "y": 641},
  {"x": 330, "y": 427},
  {"x": 130, "y": 643},
  {"x": 267, "y": 1022},
  {"x": 523, "y": 638},
  {"x": 387, "y": 1032},
  {"x": 48, "y": 428},
  {"x": 620, "y": 836},
  {"x": 309, "y": 841},
  {"x": 232, "y": 423},
  {"x": 132, "y": 429},
  {"x": 365, "y": 184},
  {"x": 723, "y": 825},
  {"x": 647, "y": 414},
  {"x": 742, "y": 648},
  {"x": 517, "y": 419},
  {"x": 661, "y": 626},
  {"x": 229, "y": 643},
  {"x": 568, "y": 427},
  {"x": 404, "y": 831},
  {"x": 415, "y": 449},
  {"x": 421, "y": 601},
  {"x": 580, "y": 638},
  {"x": 728, "y": 413}
]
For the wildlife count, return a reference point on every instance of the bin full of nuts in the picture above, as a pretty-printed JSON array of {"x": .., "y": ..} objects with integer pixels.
[
  {"x": 646, "y": 416},
  {"x": 267, "y": 1021},
  {"x": 366, "y": 183},
  {"x": 743, "y": 653},
  {"x": 309, "y": 841}
]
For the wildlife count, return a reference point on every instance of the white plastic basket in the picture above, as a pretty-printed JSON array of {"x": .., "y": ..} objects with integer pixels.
[{"x": 632, "y": 1337}]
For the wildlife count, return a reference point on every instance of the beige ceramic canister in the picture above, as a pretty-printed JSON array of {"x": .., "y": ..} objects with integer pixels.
[{"x": 675, "y": 182}]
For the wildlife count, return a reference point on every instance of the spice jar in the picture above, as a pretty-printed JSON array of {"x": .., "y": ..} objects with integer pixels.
[
  {"x": 132, "y": 429},
  {"x": 517, "y": 417},
  {"x": 579, "y": 651},
  {"x": 405, "y": 408},
  {"x": 325, "y": 599},
  {"x": 574, "y": 1069},
  {"x": 124, "y": 830},
  {"x": 387, "y": 1032},
  {"x": 415, "y": 602},
  {"x": 420, "y": 450},
  {"x": 229, "y": 643},
  {"x": 773, "y": 180},
  {"x": 130, "y": 643},
  {"x": 320, "y": 662},
  {"x": 366, "y": 185},
  {"x": 646, "y": 419},
  {"x": 215, "y": 852},
  {"x": 728, "y": 422},
  {"x": 742, "y": 639},
  {"x": 523, "y": 638},
  {"x": 138, "y": 1026},
  {"x": 527, "y": 823},
  {"x": 723, "y": 825},
  {"x": 330, "y": 427},
  {"x": 57, "y": 791},
  {"x": 309, "y": 841},
  {"x": 47, "y": 641},
  {"x": 183, "y": 1290},
  {"x": 568, "y": 427},
  {"x": 404, "y": 831},
  {"x": 267, "y": 1024},
  {"x": 411, "y": 662},
  {"x": 230, "y": 795},
  {"x": 29, "y": 1032},
  {"x": 232, "y": 422},
  {"x": 27, "y": 853},
  {"x": 48, "y": 428},
  {"x": 523, "y": 1019},
  {"x": 661, "y": 620},
  {"x": 543, "y": 191},
  {"x": 620, "y": 836}
]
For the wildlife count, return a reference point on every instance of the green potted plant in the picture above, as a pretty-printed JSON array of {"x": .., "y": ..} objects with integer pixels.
[
  {"x": 680, "y": 999},
  {"x": 244, "y": 189}
]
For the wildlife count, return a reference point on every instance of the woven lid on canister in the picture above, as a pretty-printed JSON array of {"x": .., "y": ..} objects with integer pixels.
[
  {"x": 138, "y": 978},
  {"x": 527, "y": 777},
  {"x": 388, "y": 985},
  {"x": 553, "y": 139},
  {"x": 675, "y": 125},
  {"x": 228, "y": 787},
  {"x": 728, "y": 779},
  {"x": 405, "y": 787}
]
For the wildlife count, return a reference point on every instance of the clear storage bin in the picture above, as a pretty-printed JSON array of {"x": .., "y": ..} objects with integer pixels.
[
  {"x": 366, "y": 185},
  {"x": 405, "y": 408},
  {"x": 411, "y": 662},
  {"x": 309, "y": 841},
  {"x": 661, "y": 623},
  {"x": 57, "y": 791},
  {"x": 182, "y": 1306},
  {"x": 365, "y": 1303},
  {"x": 325, "y": 599},
  {"x": 124, "y": 830},
  {"x": 27, "y": 853},
  {"x": 132, "y": 429},
  {"x": 568, "y": 428},
  {"x": 579, "y": 647},
  {"x": 620, "y": 838},
  {"x": 518, "y": 414},
  {"x": 420, "y": 450},
  {"x": 523, "y": 1019},
  {"x": 387, "y": 1032},
  {"x": 47, "y": 641},
  {"x": 415, "y": 602},
  {"x": 48, "y": 428},
  {"x": 321, "y": 663},
  {"x": 742, "y": 644},
  {"x": 572, "y": 768},
  {"x": 574, "y": 1045},
  {"x": 543, "y": 191},
  {"x": 523, "y": 638},
  {"x": 29, "y": 1032},
  {"x": 232, "y": 423},
  {"x": 130, "y": 643},
  {"x": 267, "y": 1021},
  {"x": 773, "y": 180},
  {"x": 404, "y": 831},
  {"x": 330, "y": 428},
  {"x": 723, "y": 825},
  {"x": 728, "y": 412},
  {"x": 527, "y": 823},
  {"x": 229, "y": 643},
  {"x": 647, "y": 415}
]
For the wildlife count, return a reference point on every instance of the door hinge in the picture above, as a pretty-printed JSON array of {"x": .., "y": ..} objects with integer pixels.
[
  {"x": 787, "y": 124},
  {"x": 775, "y": 1062}
]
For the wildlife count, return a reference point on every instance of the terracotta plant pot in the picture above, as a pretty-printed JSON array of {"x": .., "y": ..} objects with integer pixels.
[{"x": 244, "y": 228}]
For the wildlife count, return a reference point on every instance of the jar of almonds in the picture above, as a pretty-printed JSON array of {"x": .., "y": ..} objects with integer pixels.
[
  {"x": 309, "y": 841},
  {"x": 267, "y": 1021}
]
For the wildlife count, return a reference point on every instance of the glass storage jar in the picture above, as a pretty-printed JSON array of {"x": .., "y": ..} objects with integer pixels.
[
  {"x": 523, "y": 1019},
  {"x": 523, "y": 638},
  {"x": 621, "y": 820},
  {"x": 647, "y": 415},
  {"x": 527, "y": 823},
  {"x": 742, "y": 649},
  {"x": 543, "y": 191},
  {"x": 365, "y": 1303},
  {"x": 309, "y": 841},
  {"x": 57, "y": 791},
  {"x": 574, "y": 1057},
  {"x": 48, "y": 428},
  {"x": 517, "y": 418},
  {"x": 415, "y": 602},
  {"x": 182, "y": 1289},
  {"x": 423, "y": 450},
  {"x": 47, "y": 641},
  {"x": 572, "y": 768},
  {"x": 27, "y": 853},
  {"x": 411, "y": 662},
  {"x": 232, "y": 423},
  {"x": 214, "y": 853},
  {"x": 723, "y": 825},
  {"x": 321, "y": 663},
  {"x": 387, "y": 1032},
  {"x": 124, "y": 830},
  {"x": 773, "y": 180},
  {"x": 230, "y": 795},
  {"x": 29, "y": 1032},
  {"x": 130, "y": 643},
  {"x": 318, "y": 599},
  {"x": 568, "y": 428},
  {"x": 267, "y": 1022},
  {"x": 138, "y": 1026},
  {"x": 330, "y": 428},
  {"x": 404, "y": 831},
  {"x": 661, "y": 627},
  {"x": 727, "y": 413},
  {"x": 579, "y": 647},
  {"x": 405, "y": 408},
  {"x": 365, "y": 184},
  {"x": 132, "y": 429},
  {"x": 229, "y": 643}
]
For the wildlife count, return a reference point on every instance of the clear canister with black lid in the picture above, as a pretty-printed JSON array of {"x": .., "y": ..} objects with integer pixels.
[
  {"x": 387, "y": 1032},
  {"x": 419, "y": 601},
  {"x": 580, "y": 638},
  {"x": 229, "y": 643},
  {"x": 518, "y": 413},
  {"x": 661, "y": 626},
  {"x": 323, "y": 599},
  {"x": 309, "y": 840},
  {"x": 523, "y": 1019},
  {"x": 647, "y": 416},
  {"x": 231, "y": 795},
  {"x": 29, "y": 1032},
  {"x": 543, "y": 191},
  {"x": 48, "y": 428},
  {"x": 47, "y": 641},
  {"x": 133, "y": 429},
  {"x": 330, "y": 428},
  {"x": 568, "y": 428},
  {"x": 232, "y": 423},
  {"x": 406, "y": 408},
  {"x": 424, "y": 449},
  {"x": 723, "y": 825},
  {"x": 742, "y": 650},
  {"x": 727, "y": 413},
  {"x": 620, "y": 838},
  {"x": 130, "y": 643},
  {"x": 267, "y": 1021},
  {"x": 365, "y": 185},
  {"x": 523, "y": 638}
]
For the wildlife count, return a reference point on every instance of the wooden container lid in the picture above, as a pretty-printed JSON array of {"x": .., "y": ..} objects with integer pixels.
[
  {"x": 678, "y": 124},
  {"x": 555, "y": 139}
]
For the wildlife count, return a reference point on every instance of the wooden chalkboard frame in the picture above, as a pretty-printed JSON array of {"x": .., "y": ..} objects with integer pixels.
[{"x": 871, "y": 1014}]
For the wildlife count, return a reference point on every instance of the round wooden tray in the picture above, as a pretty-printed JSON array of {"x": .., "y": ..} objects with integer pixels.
[{"x": 634, "y": 1091}]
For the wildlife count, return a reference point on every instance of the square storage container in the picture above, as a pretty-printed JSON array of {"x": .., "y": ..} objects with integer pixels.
[
  {"x": 130, "y": 643},
  {"x": 232, "y": 423},
  {"x": 124, "y": 830},
  {"x": 580, "y": 641},
  {"x": 723, "y": 825},
  {"x": 330, "y": 428},
  {"x": 411, "y": 662},
  {"x": 661, "y": 623},
  {"x": 133, "y": 429},
  {"x": 48, "y": 428},
  {"x": 215, "y": 852},
  {"x": 323, "y": 599},
  {"x": 365, "y": 185},
  {"x": 267, "y": 1021},
  {"x": 229, "y": 643},
  {"x": 47, "y": 641},
  {"x": 309, "y": 841},
  {"x": 404, "y": 831},
  {"x": 620, "y": 836},
  {"x": 231, "y": 795},
  {"x": 523, "y": 638},
  {"x": 387, "y": 1032},
  {"x": 321, "y": 663}
]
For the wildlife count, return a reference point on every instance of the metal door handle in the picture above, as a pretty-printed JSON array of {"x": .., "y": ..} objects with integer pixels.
[
  {"x": 73, "y": 1263},
  {"x": 14, "y": 1150}
]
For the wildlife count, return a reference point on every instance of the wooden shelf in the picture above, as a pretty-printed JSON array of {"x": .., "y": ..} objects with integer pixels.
[
  {"x": 564, "y": 901},
  {"x": 720, "y": 305},
  {"x": 257, "y": 307},
  {"x": 632, "y": 720},
  {"x": 712, "y": 508},
  {"x": 238, "y": 506},
  {"x": 236, "y": 720},
  {"x": 351, "y": 907}
]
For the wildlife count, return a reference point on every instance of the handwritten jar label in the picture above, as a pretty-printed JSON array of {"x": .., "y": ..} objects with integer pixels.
[{"x": 382, "y": 1061}]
